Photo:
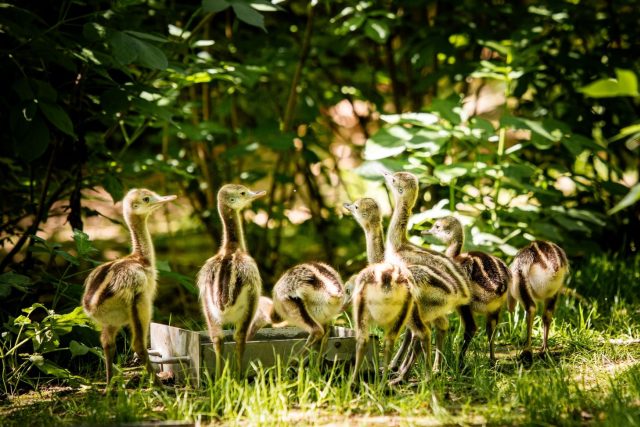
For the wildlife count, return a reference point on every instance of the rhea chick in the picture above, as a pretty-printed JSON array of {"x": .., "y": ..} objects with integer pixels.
[
  {"x": 382, "y": 293},
  {"x": 449, "y": 277},
  {"x": 489, "y": 278},
  {"x": 229, "y": 282},
  {"x": 539, "y": 272},
  {"x": 310, "y": 296},
  {"x": 121, "y": 292}
]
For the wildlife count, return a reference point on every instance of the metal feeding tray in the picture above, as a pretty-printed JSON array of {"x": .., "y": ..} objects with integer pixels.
[{"x": 189, "y": 354}]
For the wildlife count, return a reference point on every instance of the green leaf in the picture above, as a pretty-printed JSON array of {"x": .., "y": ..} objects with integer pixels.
[
  {"x": 146, "y": 36},
  {"x": 58, "y": 117},
  {"x": 447, "y": 173},
  {"x": 67, "y": 256},
  {"x": 114, "y": 187},
  {"x": 630, "y": 199},
  {"x": 420, "y": 119},
  {"x": 14, "y": 279},
  {"x": 78, "y": 349},
  {"x": 45, "y": 91},
  {"x": 627, "y": 131},
  {"x": 214, "y": 5},
  {"x": 93, "y": 31},
  {"x": 150, "y": 56},
  {"x": 50, "y": 368},
  {"x": 429, "y": 142},
  {"x": 162, "y": 265},
  {"x": 625, "y": 84},
  {"x": 387, "y": 142},
  {"x": 83, "y": 244},
  {"x": 33, "y": 142},
  {"x": 247, "y": 14},
  {"x": 376, "y": 30},
  {"x": 124, "y": 47}
]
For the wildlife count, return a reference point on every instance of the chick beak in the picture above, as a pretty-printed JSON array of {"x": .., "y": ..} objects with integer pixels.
[
  {"x": 257, "y": 194},
  {"x": 348, "y": 206},
  {"x": 164, "y": 199},
  {"x": 426, "y": 232}
]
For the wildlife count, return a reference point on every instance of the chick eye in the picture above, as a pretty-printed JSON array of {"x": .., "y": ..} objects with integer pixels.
[
  {"x": 243, "y": 193},
  {"x": 356, "y": 207},
  {"x": 400, "y": 190},
  {"x": 146, "y": 199}
]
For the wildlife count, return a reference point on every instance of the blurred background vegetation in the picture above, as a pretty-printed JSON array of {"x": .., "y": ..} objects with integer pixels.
[{"x": 521, "y": 116}]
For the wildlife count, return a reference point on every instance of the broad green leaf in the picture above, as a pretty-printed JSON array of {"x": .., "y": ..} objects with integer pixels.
[
  {"x": 150, "y": 56},
  {"x": 572, "y": 224},
  {"x": 93, "y": 31},
  {"x": 421, "y": 119},
  {"x": 58, "y": 117},
  {"x": 484, "y": 125},
  {"x": 14, "y": 279},
  {"x": 376, "y": 30},
  {"x": 429, "y": 142},
  {"x": 114, "y": 187},
  {"x": 45, "y": 91},
  {"x": 630, "y": 199},
  {"x": 77, "y": 348},
  {"x": 627, "y": 131},
  {"x": 247, "y": 14},
  {"x": 146, "y": 36},
  {"x": 540, "y": 129},
  {"x": 387, "y": 142},
  {"x": 33, "y": 142},
  {"x": 449, "y": 109},
  {"x": 67, "y": 256},
  {"x": 23, "y": 88},
  {"x": 373, "y": 169},
  {"x": 447, "y": 173},
  {"x": 625, "y": 84},
  {"x": 124, "y": 47},
  {"x": 162, "y": 265},
  {"x": 83, "y": 244},
  {"x": 50, "y": 368},
  {"x": 214, "y": 5}
]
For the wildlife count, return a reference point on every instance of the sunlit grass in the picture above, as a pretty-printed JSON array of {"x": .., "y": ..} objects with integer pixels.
[{"x": 591, "y": 376}]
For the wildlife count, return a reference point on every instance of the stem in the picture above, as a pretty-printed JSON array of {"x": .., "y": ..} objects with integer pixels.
[
  {"x": 452, "y": 195},
  {"x": 395, "y": 84},
  {"x": 293, "y": 91},
  {"x": 33, "y": 228}
]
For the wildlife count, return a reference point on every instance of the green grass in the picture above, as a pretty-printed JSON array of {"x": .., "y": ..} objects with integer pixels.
[{"x": 586, "y": 379}]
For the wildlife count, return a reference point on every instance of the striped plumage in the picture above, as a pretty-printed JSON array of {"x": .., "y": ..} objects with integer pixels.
[
  {"x": 229, "y": 282},
  {"x": 309, "y": 296},
  {"x": 489, "y": 279},
  {"x": 539, "y": 272},
  {"x": 382, "y": 295},
  {"x": 442, "y": 272},
  {"x": 121, "y": 292}
]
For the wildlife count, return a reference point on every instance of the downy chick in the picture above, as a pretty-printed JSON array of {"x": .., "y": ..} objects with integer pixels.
[
  {"x": 449, "y": 277},
  {"x": 121, "y": 292},
  {"x": 489, "y": 277},
  {"x": 382, "y": 292},
  {"x": 229, "y": 282},
  {"x": 539, "y": 272},
  {"x": 310, "y": 296}
]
